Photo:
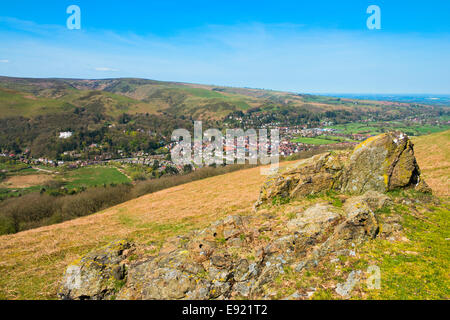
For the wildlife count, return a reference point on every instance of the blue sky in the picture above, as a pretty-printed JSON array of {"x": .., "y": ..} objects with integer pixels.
[{"x": 301, "y": 46}]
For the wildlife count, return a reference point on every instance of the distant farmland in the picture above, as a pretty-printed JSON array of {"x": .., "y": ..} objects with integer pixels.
[
  {"x": 321, "y": 140},
  {"x": 413, "y": 129}
]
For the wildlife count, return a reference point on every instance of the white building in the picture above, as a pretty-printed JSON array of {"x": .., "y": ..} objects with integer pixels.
[{"x": 65, "y": 135}]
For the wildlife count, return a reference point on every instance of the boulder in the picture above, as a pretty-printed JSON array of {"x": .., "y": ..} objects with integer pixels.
[
  {"x": 360, "y": 223},
  {"x": 313, "y": 221},
  {"x": 382, "y": 163},
  {"x": 97, "y": 275},
  {"x": 306, "y": 177},
  {"x": 375, "y": 200}
]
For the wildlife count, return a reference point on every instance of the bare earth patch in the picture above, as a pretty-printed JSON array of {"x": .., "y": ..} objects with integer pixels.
[{"x": 25, "y": 181}]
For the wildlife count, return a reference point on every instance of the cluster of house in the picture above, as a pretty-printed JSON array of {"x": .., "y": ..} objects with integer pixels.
[
  {"x": 140, "y": 158},
  {"x": 314, "y": 132},
  {"x": 250, "y": 147},
  {"x": 286, "y": 148},
  {"x": 7, "y": 155}
]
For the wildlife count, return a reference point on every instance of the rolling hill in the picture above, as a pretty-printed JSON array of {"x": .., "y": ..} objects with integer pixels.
[{"x": 27, "y": 97}]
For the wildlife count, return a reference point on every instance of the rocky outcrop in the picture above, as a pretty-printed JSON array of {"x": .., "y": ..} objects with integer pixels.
[
  {"x": 381, "y": 163},
  {"x": 236, "y": 257},
  {"x": 241, "y": 256}
]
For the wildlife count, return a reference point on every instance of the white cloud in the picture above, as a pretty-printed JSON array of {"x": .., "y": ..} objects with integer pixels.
[
  {"x": 106, "y": 69},
  {"x": 4, "y": 61}
]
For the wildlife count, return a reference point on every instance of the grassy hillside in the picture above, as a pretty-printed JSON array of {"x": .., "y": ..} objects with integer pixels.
[
  {"x": 32, "y": 262},
  {"x": 29, "y": 97},
  {"x": 433, "y": 155},
  {"x": 26, "y": 97}
]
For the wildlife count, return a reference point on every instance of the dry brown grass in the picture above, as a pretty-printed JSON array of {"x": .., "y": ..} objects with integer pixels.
[
  {"x": 433, "y": 155},
  {"x": 26, "y": 181},
  {"x": 32, "y": 262}
]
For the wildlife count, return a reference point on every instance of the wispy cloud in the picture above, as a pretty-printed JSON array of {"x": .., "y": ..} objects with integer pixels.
[
  {"x": 106, "y": 69},
  {"x": 4, "y": 61},
  {"x": 30, "y": 26}
]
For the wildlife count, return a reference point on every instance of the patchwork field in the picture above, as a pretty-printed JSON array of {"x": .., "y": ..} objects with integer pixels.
[{"x": 22, "y": 180}]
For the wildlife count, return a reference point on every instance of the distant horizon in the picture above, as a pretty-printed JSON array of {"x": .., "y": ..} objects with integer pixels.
[
  {"x": 387, "y": 93},
  {"x": 242, "y": 87}
]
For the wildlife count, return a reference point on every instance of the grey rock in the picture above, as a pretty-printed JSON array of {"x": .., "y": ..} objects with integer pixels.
[
  {"x": 313, "y": 220},
  {"x": 96, "y": 275}
]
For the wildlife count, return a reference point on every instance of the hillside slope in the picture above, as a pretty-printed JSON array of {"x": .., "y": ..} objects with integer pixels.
[
  {"x": 32, "y": 262},
  {"x": 433, "y": 154},
  {"x": 29, "y": 97}
]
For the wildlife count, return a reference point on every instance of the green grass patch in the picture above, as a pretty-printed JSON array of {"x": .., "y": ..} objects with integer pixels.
[
  {"x": 314, "y": 141},
  {"x": 418, "y": 268},
  {"x": 373, "y": 128},
  {"x": 94, "y": 176}
]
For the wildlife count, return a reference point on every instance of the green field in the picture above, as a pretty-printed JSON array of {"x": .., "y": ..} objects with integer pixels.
[
  {"x": 93, "y": 176},
  {"x": 321, "y": 140},
  {"x": 72, "y": 179},
  {"x": 380, "y": 127}
]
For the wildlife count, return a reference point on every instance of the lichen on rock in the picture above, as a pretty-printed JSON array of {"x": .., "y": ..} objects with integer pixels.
[
  {"x": 97, "y": 275},
  {"x": 382, "y": 163}
]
